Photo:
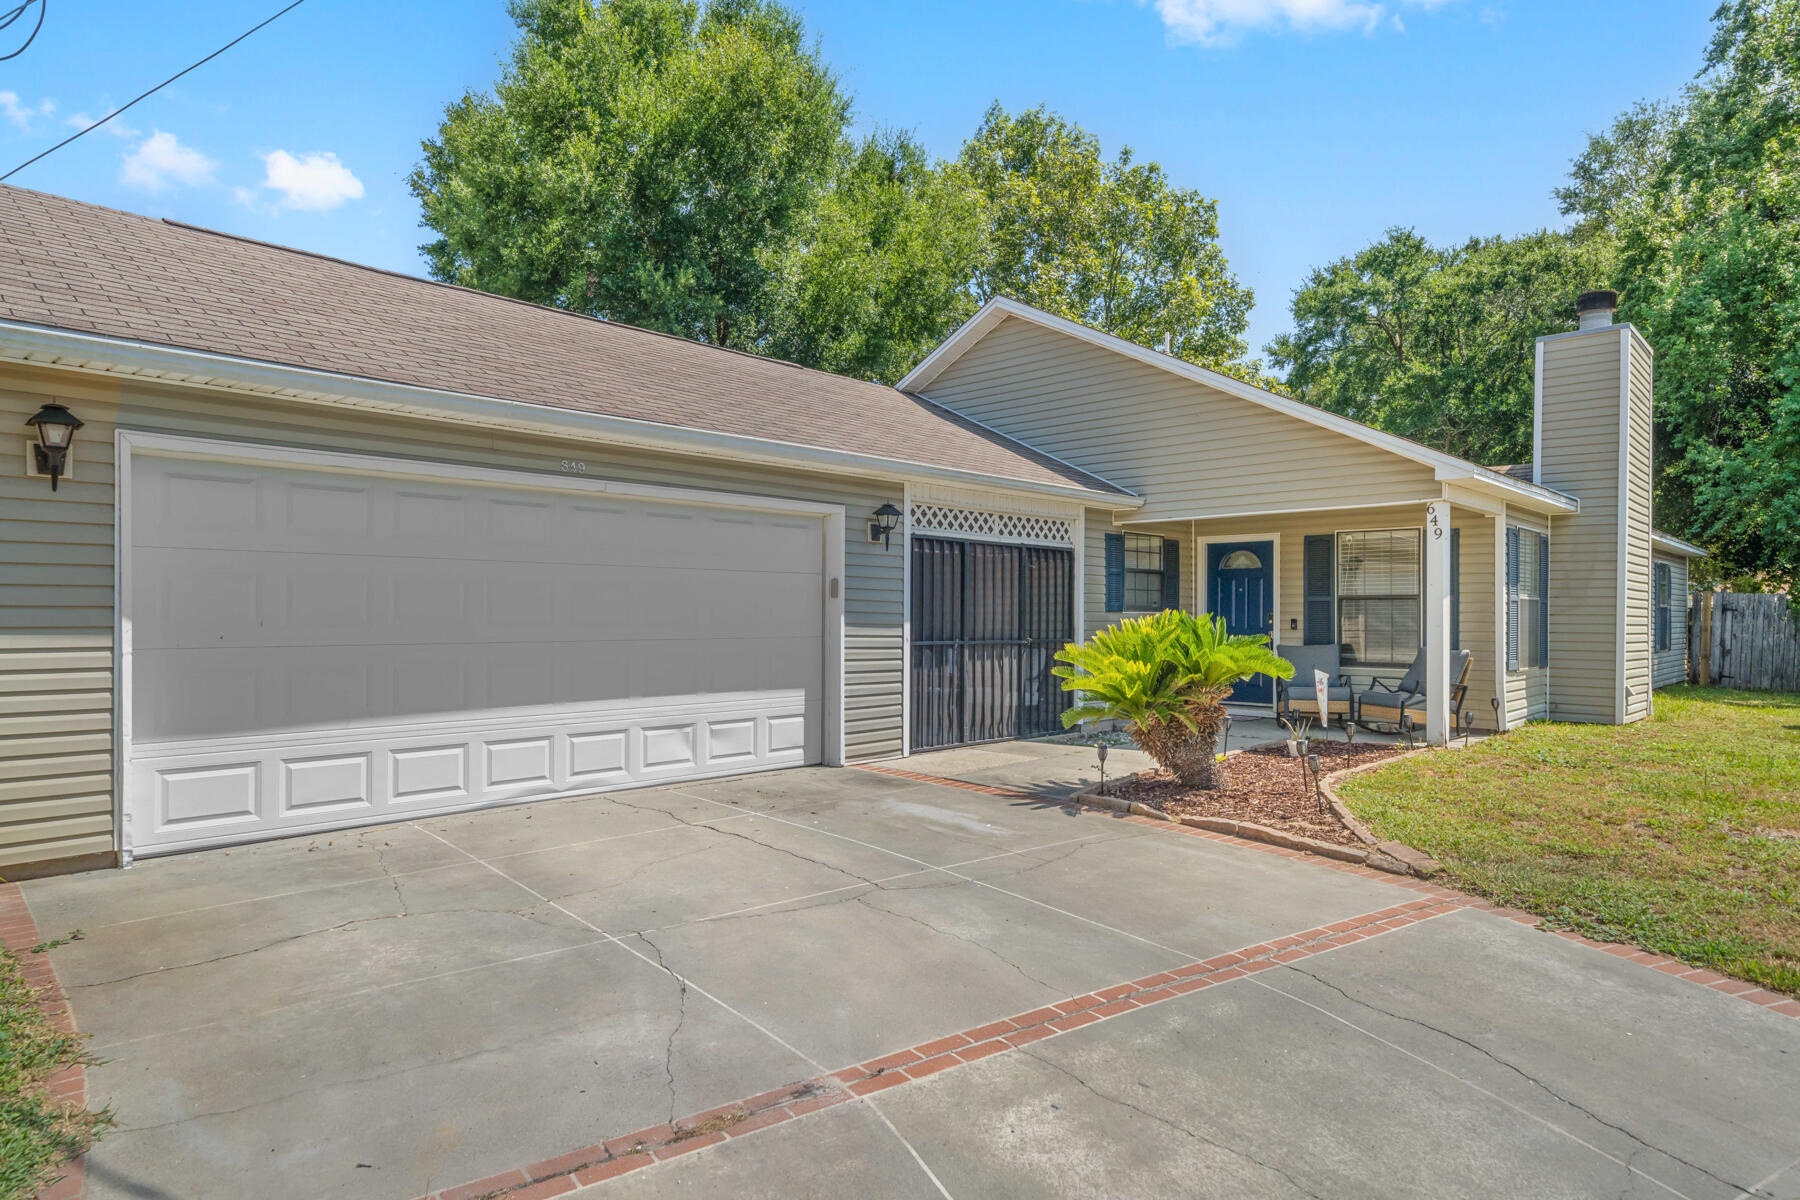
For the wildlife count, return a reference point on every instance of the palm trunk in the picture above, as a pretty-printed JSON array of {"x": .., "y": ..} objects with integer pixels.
[{"x": 1191, "y": 756}]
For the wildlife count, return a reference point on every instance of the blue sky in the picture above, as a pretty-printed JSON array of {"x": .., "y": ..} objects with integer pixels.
[{"x": 1316, "y": 124}]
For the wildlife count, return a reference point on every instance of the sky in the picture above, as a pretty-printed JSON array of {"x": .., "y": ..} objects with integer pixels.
[{"x": 1315, "y": 124}]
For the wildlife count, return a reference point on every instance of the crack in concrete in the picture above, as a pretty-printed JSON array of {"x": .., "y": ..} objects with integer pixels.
[
  {"x": 950, "y": 933},
  {"x": 1197, "y": 1136},
  {"x": 399, "y": 896},
  {"x": 680, "y": 1019},
  {"x": 1641, "y": 1144}
]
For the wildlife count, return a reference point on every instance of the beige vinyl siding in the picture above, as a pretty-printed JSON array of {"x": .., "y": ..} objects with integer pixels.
[
  {"x": 1528, "y": 689},
  {"x": 56, "y": 596},
  {"x": 56, "y": 639},
  {"x": 1188, "y": 448},
  {"x": 1093, "y": 595},
  {"x": 1670, "y": 666},
  {"x": 1639, "y": 631},
  {"x": 1579, "y": 454},
  {"x": 1475, "y": 603}
]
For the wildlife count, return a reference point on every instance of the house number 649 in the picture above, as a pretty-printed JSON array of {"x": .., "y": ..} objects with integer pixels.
[{"x": 574, "y": 466}]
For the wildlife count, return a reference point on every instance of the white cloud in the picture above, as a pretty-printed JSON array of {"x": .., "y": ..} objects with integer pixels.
[
  {"x": 311, "y": 182},
  {"x": 22, "y": 114},
  {"x": 81, "y": 120},
  {"x": 161, "y": 159},
  {"x": 1215, "y": 22}
]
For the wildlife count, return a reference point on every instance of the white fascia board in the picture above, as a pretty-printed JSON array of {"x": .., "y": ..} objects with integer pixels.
[
  {"x": 1447, "y": 466},
  {"x": 42, "y": 346},
  {"x": 1670, "y": 544}
]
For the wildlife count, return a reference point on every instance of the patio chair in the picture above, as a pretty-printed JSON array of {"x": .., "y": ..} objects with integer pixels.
[
  {"x": 1402, "y": 704},
  {"x": 1296, "y": 697}
]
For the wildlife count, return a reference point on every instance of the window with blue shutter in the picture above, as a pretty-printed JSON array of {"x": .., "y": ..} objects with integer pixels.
[
  {"x": 1171, "y": 584},
  {"x": 1321, "y": 583},
  {"x": 1543, "y": 599},
  {"x": 1115, "y": 572},
  {"x": 1512, "y": 598},
  {"x": 1456, "y": 589},
  {"x": 1665, "y": 587}
]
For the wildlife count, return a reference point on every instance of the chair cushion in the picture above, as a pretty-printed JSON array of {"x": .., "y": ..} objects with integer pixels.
[
  {"x": 1305, "y": 695},
  {"x": 1396, "y": 700}
]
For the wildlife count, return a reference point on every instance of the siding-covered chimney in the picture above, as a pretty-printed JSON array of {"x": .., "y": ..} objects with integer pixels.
[{"x": 1592, "y": 440}]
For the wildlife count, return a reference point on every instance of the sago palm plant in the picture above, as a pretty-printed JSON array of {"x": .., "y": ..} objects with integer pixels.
[{"x": 1167, "y": 677}]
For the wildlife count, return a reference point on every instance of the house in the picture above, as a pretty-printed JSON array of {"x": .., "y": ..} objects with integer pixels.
[{"x": 333, "y": 546}]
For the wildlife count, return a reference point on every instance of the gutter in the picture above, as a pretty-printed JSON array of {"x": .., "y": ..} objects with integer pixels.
[{"x": 37, "y": 345}]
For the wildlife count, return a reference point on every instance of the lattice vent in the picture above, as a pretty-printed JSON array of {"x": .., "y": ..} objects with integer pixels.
[{"x": 1008, "y": 527}]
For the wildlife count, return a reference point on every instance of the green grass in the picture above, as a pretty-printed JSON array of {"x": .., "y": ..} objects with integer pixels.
[
  {"x": 37, "y": 1135},
  {"x": 1680, "y": 834}
]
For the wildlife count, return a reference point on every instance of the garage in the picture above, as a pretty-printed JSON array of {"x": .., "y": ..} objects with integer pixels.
[{"x": 312, "y": 641}]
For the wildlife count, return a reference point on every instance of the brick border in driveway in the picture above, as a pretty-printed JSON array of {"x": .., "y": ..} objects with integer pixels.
[
  {"x": 1773, "y": 1001},
  {"x": 19, "y": 933},
  {"x": 633, "y": 1151}
]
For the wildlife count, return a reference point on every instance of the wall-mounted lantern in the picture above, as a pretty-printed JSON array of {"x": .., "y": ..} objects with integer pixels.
[
  {"x": 56, "y": 427},
  {"x": 881, "y": 529}
]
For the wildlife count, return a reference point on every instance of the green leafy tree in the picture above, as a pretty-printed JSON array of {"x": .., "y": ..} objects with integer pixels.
[
  {"x": 1710, "y": 272},
  {"x": 1436, "y": 344},
  {"x": 641, "y": 160},
  {"x": 1110, "y": 243},
  {"x": 1166, "y": 676},
  {"x": 879, "y": 273}
]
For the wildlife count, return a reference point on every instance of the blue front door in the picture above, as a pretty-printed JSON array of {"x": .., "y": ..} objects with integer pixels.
[{"x": 1241, "y": 591}]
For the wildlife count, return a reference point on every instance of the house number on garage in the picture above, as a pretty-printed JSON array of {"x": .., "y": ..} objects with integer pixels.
[{"x": 574, "y": 466}]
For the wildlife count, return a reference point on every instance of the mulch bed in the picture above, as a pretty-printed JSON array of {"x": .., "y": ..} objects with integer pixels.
[{"x": 1264, "y": 786}]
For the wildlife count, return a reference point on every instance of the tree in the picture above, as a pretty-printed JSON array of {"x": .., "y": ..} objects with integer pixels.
[
  {"x": 879, "y": 274},
  {"x": 1436, "y": 344},
  {"x": 1709, "y": 270},
  {"x": 1617, "y": 169},
  {"x": 1110, "y": 244},
  {"x": 1166, "y": 676},
  {"x": 641, "y": 160}
]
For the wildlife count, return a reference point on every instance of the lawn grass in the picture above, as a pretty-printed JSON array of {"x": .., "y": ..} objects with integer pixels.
[
  {"x": 37, "y": 1134},
  {"x": 1680, "y": 834}
]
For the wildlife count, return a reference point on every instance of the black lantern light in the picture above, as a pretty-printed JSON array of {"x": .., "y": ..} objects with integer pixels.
[
  {"x": 56, "y": 428},
  {"x": 881, "y": 529}
]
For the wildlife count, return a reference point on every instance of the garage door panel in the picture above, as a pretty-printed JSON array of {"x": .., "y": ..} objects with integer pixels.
[{"x": 341, "y": 649}]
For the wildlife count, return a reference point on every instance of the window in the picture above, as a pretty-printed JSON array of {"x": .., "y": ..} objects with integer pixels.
[
  {"x": 1143, "y": 573},
  {"x": 1240, "y": 560},
  {"x": 1665, "y": 617},
  {"x": 1381, "y": 606},
  {"x": 1527, "y": 602}
]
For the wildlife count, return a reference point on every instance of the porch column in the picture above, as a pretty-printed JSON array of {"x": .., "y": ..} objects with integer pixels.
[{"x": 1437, "y": 622}]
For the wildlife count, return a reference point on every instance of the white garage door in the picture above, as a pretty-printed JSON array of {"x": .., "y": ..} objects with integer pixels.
[{"x": 312, "y": 649}]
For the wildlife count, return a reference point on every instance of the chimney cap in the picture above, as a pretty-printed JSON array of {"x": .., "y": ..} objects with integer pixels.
[{"x": 1596, "y": 302}]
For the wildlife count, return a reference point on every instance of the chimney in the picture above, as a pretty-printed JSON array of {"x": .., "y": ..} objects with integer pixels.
[
  {"x": 1592, "y": 441},
  {"x": 1595, "y": 309}
]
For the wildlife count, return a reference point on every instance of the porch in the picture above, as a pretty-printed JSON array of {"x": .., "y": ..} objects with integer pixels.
[{"x": 1379, "y": 581}]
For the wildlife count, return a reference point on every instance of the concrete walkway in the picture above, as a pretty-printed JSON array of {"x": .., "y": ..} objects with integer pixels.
[{"x": 851, "y": 984}]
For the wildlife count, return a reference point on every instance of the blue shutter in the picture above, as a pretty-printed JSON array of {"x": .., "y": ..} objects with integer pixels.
[
  {"x": 1512, "y": 598},
  {"x": 1321, "y": 592},
  {"x": 1171, "y": 573},
  {"x": 1543, "y": 629},
  {"x": 1456, "y": 589},
  {"x": 1115, "y": 572}
]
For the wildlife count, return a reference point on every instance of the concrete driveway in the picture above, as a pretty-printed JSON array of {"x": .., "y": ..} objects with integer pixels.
[{"x": 827, "y": 983}]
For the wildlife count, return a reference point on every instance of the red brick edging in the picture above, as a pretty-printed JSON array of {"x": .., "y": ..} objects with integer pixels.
[
  {"x": 19, "y": 933},
  {"x": 1773, "y": 1001},
  {"x": 621, "y": 1155}
]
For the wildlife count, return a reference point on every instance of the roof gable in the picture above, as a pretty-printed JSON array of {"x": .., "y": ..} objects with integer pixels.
[{"x": 999, "y": 311}]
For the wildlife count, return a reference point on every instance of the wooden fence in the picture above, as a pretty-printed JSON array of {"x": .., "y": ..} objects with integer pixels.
[{"x": 1744, "y": 641}]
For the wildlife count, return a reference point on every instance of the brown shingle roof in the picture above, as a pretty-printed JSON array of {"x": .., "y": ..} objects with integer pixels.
[
  {"x": 96, "y": 270},
  {"x": 1516, "y": 470}
]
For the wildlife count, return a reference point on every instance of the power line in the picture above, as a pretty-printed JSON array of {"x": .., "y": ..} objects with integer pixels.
[
  {"x": 8, "y": 18},
  {"x": 159, "y": 87}
]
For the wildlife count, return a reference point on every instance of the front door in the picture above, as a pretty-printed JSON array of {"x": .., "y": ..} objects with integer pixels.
[
  {"x": 1241, "y": 592},
  {"x": 987, "y": 621}
]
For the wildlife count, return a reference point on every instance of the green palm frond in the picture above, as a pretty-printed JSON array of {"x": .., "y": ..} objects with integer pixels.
[{"x": 1157, "y": 668}]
